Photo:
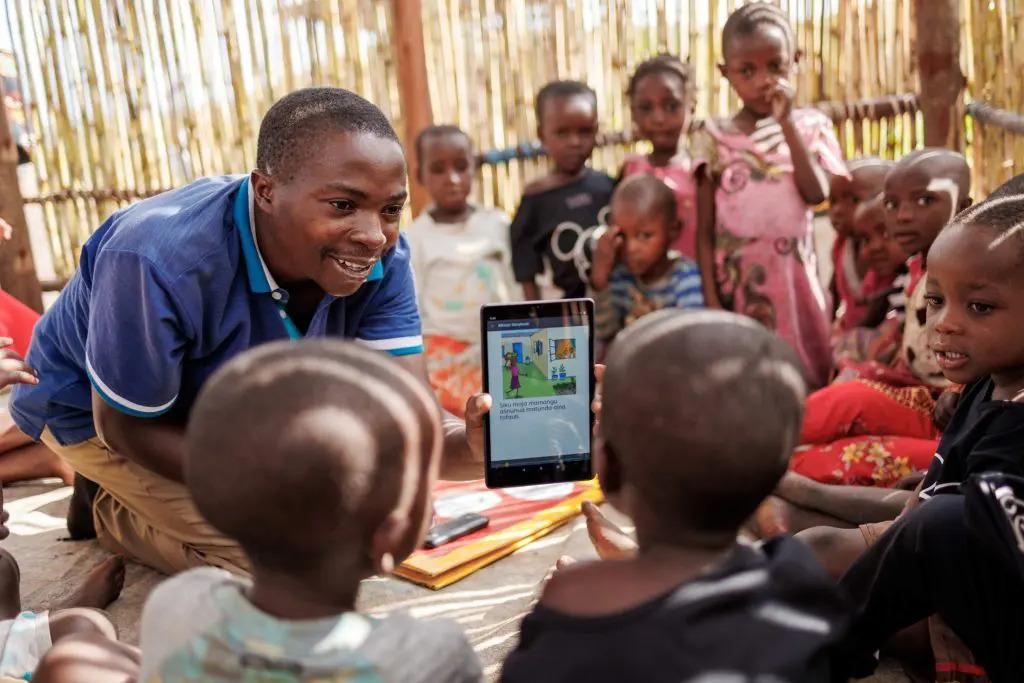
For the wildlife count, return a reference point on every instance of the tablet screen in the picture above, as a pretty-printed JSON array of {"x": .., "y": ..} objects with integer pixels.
[{"x": 539, "y": 375}]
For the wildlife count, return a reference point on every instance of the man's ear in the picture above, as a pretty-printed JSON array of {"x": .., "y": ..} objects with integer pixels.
[{"x": 262, "y": 188}]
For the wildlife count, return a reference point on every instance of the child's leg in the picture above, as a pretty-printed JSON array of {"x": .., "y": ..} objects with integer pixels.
[
  {"x": 21, "y": 458},
  {"x": 88, "y": 659},
  {"x": 836, "y": 549},
  {"x": 864, "y": 407},
  {"x": 78, "y": 621},
  {"x": 852, "y": 504},
  {"x": 101, "y": 587},
  {"x": 10, "y": 586}
]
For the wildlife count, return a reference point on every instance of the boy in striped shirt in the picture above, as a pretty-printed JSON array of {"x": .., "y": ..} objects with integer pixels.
[{"x": 634, "y": 271}]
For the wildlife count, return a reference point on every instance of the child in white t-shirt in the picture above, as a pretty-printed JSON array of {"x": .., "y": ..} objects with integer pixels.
[{"x": 460, "y": 257}]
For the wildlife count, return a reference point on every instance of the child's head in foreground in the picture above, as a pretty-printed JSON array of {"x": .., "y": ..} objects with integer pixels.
[
  {"x": 567, "y": 124},
  {"x": 867, "y": 177},
  {"x": 975, "y": 293},
  {"x": 701, "y": 410},
  {"x": 923, "y": 191},
  {"x": 662, "y": 96},
  {"x": 758, "y": 51},
  {"x": 318, "y": 457},
  {"x": 876, "y": 249},
  {"x": 444, "y": 165},
  {"x": 643, "y": 210}
]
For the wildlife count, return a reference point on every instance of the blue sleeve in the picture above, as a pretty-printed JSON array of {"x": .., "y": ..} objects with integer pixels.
[
  {"x": 391, "y": 322},
  {"x": 688, "y": 287},
  {"x": 137, "y": 337}
]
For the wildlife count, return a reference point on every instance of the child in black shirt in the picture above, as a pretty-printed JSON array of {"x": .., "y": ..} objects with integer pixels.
[
  {"x": 558, "y": 210},
  {"x": 691, "y": 601},
  {"x": 929, "y": 561}
]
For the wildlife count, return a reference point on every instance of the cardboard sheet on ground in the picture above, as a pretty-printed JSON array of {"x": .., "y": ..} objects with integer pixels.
[{"x": 518, "y": 516}]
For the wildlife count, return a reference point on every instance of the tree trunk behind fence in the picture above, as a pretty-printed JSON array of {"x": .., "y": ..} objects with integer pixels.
[
  {"x": 17, "y": 269},
  {"x": 938, "y": 60}
]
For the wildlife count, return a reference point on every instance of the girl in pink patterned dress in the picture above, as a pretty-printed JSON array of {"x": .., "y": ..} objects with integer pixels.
[
  {"x": 661, "y": 101},
  {"x": 766, "y": 168}
]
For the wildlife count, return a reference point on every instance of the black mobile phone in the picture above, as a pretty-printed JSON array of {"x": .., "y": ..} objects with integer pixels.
[
  {"x": 455, "y": 528},
  {"x": 538, "y": 366}
]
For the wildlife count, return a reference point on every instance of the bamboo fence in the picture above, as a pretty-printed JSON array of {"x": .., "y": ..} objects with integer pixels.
[
  {"x": 130, "y": 97},
  {"x": 994, "y": 59}
]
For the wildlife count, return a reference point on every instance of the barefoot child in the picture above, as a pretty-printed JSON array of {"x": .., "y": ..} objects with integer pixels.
[
  {"x": 328, "y": 483},
  {"x": 691, "y": 602},
  {"x": 460, "y": 258},
  {"x": 26, "y": 636},
  {"x": 560, "y": 207},
  {"x": 635, "y": 272},
  {"x": 975, "y": 296},
  {"x": 767, "y": 167},
  {"x": 662, "y": 97}
]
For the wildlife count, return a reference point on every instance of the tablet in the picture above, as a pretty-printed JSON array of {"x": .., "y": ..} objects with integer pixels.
[{"x": 538, "y": 366}]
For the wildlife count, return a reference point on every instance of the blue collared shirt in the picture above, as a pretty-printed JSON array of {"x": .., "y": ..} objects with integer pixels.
[{"x": 167, "y": 291}]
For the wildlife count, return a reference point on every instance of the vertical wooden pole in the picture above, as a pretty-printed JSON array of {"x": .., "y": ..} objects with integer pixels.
[
  {"x": 17, "y": 269},
  {"x": 412, "y": 87},
  {"x": 938, "y": 61}
]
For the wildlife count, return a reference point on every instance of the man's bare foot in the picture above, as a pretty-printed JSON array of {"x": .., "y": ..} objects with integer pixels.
[
  {"x": 610, "y": 542},
  {"x": 101, "y": 587}
]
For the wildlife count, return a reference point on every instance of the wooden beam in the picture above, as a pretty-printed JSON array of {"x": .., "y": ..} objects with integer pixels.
[
  {"x": 412, "y": 87},
  {"x": 938, "y": 63},
  {"x": 17, "y": 268}
]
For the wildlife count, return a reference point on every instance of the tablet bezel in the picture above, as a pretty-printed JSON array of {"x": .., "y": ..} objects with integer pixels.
[{"x": 575, "y": 311}]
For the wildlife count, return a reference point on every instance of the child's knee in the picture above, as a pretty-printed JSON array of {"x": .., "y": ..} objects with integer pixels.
[
  {"x": 836, "y": 549},
  {"x": 80, "y": 621},
  {"x": 86, "y": 657}
]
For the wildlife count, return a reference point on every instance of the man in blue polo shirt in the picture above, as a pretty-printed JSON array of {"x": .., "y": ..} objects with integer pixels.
[{"x": 171, "y": 288}]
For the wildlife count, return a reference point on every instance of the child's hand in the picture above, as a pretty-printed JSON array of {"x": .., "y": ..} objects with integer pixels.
[
  {"x": 610, "y": 542},
  {"x": 782, "y": 100},
  {"x": 13, "y": 369},
  {"x": 605, "y": 254}
]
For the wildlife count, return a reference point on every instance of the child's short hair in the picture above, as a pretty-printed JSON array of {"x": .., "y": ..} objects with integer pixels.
[
  {"x": 664, "y": 64},
  {"x": 644, "y": 187},
  {"x": 559, "y": 90},
  {"x": 436, "y": 132},
  {"x": 1012, "y": 187},
  {"x": 1002, "y": 213},
  {"x": 746, "y": 19},
  {"x": 702, "y": 410},
  {"x": 299, "y": 449}
]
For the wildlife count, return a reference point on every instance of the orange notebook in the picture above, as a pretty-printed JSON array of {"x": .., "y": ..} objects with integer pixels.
[{"x": 518, "y": 516}]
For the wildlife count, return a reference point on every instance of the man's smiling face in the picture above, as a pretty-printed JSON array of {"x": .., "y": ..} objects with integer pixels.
[{"x": 336, "y": 215}]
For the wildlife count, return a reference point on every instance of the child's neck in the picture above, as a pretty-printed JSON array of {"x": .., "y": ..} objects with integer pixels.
[
  {"x": 293, "y": 597},
  {"x": 450, "y": 215},
  {"x": 746, "y": 120},
  {"x": 662, "y": 157},
  {"x": 1009, "y": 385},
  {"x": 657, "y": 271}
]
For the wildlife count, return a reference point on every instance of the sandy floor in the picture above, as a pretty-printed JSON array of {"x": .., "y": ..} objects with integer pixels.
[{"x": 488, "y": 604}]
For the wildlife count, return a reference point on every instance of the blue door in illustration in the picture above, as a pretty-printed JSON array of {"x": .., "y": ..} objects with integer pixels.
[{"x": 517, "y": 348}]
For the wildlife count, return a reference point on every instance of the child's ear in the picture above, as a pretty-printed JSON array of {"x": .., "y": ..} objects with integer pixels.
[
  {"x": 385, "y": 542},
  {"x": 721, "y": 70},
  {"x": 965, "y": 202},
  {"x": 797, "y": 56},
  {"x": 606, "y": 464}
]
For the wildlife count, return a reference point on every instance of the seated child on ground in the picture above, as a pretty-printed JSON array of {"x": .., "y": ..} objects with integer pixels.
[
  {"x": 878, "y": 428},
  {"x": 662, "y": 97},
  {"x": 691, "y": 601},
  {"x": 460, "y": 257},
  {"x": 849, "y": 268},
  {"x": 26, "y": 636},
  {"x": 975, "y": 297},
  {"x": 559, "y": 210},
  {"x": 635, "y": 272},
  {"x": 883, "y": 260},
  {"x": 328, "y": 482}
]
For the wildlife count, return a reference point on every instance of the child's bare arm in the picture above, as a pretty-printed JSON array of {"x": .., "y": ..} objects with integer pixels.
[
  {"x": 811, "y": 179},
  {"x": 852, "y": 504},
  {"x": 531, "y": 292},
  {"x": 706, "y": 238}
]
